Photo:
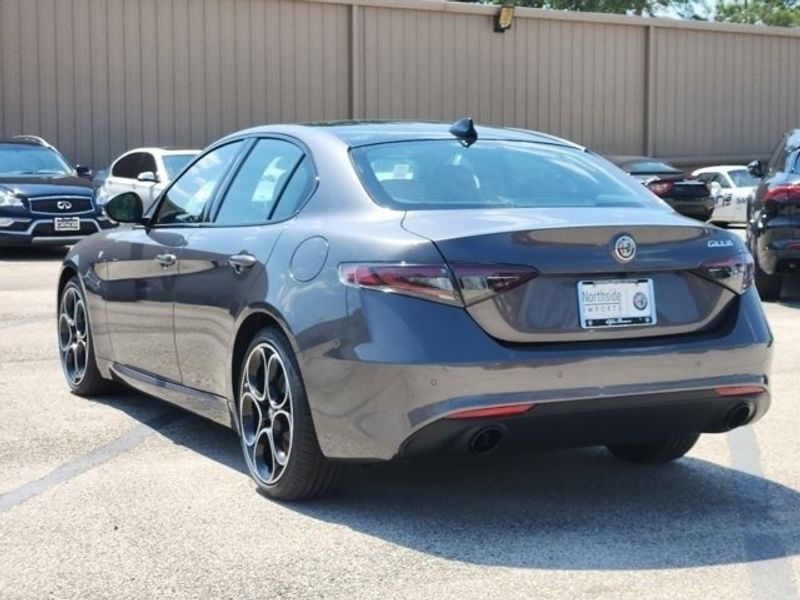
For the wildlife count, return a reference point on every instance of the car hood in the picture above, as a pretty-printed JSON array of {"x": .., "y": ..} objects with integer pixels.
[{"x": 47, "y": 186}]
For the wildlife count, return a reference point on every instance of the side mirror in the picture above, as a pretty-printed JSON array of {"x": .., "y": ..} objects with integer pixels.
[
  {"x": 125, "y": 208},
  {"x": 147, "y": 177},
  {"x": 85, "y": 172},
  {"x": 756, "y": 168},
  {"x": 716, "y": 187}
]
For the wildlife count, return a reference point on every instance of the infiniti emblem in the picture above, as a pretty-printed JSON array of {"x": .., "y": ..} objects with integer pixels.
[
  {"x": 64, "y": 205},
  {"x": 624, "y": 248}
]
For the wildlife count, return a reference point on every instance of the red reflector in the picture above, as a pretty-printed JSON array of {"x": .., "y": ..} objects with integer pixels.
[
  {"x": 740, "y": 390},
  {"x": 492, "y": 411}
]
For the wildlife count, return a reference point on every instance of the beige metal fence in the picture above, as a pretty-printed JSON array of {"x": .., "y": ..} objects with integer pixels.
[{"x": 97, "y": 77}]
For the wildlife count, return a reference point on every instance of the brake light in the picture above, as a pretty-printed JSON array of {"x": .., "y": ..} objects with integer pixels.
[
  {"x": 660, "y": 187},
  {"x": 464, "y": 285},
  {"x": 735, "y": 273},
  {"x": 507, "y": 410},
  {"x": 478, "y": 282},
  {"x": 789, "y": 193},
  {"x": 430, "y": 282}
]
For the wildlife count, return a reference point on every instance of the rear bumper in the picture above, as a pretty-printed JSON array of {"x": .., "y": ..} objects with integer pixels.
[
  {"x": 601, "y": 421},
  {"x": 696, "y": 208},
  {"x": 781, "y": 257},
  {"x": 40, "y": 232},
  {"x": 405, "y": 364}
]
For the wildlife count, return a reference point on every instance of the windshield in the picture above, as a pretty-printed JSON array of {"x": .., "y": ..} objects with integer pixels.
[
  {"x": 23, "y": 159},
  {"x": 741, "y": 178},
  {"x": 445, "y": 174},
  {"x": 174, "y": 163}
]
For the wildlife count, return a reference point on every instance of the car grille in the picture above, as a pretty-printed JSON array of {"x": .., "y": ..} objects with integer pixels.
[
  {"x": 61, "y": 205},
  {"x": 48, "y": 229}
]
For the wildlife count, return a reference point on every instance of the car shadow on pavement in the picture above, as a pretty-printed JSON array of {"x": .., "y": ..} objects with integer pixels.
[{"x": 576, "y": 509}]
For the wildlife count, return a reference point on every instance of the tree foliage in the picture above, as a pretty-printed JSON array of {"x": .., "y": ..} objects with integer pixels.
[{"x": 784, "y": 13}]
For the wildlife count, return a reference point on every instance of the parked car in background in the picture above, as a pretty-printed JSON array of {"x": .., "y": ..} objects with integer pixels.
[
  {"x": 362, "y": 292},
  {"x": 44, "y": 199},
  {"x": 687, "y": 196},
  {"x": 732, "y": 187},
  {"x": 773, "y": 229},
  {"x": 145, "y": 171}
]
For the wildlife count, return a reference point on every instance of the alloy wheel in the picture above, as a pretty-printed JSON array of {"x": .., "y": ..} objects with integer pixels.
[
  {"x": 265, "y": 414},
  {"x": 73, "y": 336}
]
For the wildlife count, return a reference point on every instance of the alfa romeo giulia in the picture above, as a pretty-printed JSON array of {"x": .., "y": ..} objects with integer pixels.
[{"x": 348, "y": 292}]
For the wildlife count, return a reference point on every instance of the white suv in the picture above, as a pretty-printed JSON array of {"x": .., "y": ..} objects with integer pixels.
[{"x": 146, "y": 171}]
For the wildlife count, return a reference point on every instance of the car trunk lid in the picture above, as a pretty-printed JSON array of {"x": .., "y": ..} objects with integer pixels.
[{"x": 568, "y": 246}]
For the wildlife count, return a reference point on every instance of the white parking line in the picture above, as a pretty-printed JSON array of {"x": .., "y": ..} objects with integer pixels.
[{"x": 80, "y": 465}]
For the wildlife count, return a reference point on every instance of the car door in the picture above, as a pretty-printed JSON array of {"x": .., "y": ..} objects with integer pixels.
[
  {"x": 142, "y": 269},
  {"x": 224, "y": 265}
]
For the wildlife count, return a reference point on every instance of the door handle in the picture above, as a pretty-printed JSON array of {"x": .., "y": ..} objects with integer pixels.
[
  {"x": 166, "y": 259},
  {"x": 243, "y": 261}
]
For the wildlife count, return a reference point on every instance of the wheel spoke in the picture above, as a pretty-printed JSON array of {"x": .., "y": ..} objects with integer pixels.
[{"x": 265, "y": 414}]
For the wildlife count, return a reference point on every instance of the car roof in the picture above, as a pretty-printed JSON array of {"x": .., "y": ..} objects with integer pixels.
[
  {"x": 159, "y": 150},
  {"x": 723, "y": 168},
  {"x": 24, "y": 142},
  {"x": 365, "y": 133}
]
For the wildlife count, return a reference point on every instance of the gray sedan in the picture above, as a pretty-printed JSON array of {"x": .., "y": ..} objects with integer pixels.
[{"x": 369, "y": 291}]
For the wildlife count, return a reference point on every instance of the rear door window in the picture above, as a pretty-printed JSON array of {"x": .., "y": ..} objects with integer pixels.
[
  {"x": 269, "y": 179},
  {"x": 127, "y": 167}
]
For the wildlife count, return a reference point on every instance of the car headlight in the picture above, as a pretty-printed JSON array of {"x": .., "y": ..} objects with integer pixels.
[{"x": 9, "y": 199}]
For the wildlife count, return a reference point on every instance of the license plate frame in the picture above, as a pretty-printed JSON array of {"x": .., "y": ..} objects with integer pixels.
[
  {"x": 612, "y": 303},
  {"x": 67, "y": 224}
]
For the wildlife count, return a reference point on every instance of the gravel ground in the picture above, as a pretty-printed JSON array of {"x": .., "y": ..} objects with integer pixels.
[{"x": 128, "y": 497}]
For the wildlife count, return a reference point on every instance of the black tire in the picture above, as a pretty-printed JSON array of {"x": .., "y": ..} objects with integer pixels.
[
  {"x": 305, "y": 473},
  {"x": 768, "y": 286},
  {"x": 85, "y": 381},
  {"x": 661, "y": 451}
]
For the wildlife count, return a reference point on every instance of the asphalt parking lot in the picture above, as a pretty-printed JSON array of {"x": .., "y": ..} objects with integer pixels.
[{"x": 128, "y": 497}]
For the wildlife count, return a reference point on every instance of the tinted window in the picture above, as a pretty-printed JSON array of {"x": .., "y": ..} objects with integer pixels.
[
  {"x": 259, "y": 183},
  {"x": 778, "y": 158},
  {"x": 23, "y": 159},
  {"x": 174, "y": 163},
  {"x": 649, "y": 166},
  {"x": 186, "y": 198},
  {"x": 148, "y": 163},
  {"x": 721, "y": 180},
  {"x": 297, "y": 191},
  {"x": 445, "y": 174},
  {"x": 128, "y": 166}
]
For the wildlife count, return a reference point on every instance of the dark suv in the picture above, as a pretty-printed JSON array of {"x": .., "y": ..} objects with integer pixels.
[
  {"x": 773, "y": 224},
  {"x": 43, "y": 199}
]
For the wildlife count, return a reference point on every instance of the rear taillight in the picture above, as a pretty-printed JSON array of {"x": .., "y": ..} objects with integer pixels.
[
  {"x": 660, "y": 187},
  {"x": 735, "y": 272},
  {"x": 430, "y": 282},
  {"x": 787, "y": 193},
  {"x": 464, "y": 285},
  {"x": 478, "y": 282}
]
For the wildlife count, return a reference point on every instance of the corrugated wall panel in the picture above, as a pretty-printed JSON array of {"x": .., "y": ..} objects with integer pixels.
[
  {"x": 98, "y": 77},
  {"x": 724, "y": 93}
]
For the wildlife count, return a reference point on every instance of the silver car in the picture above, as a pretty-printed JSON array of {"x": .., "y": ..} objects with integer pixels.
[
  {"x": 145, "y": 171},
  {"x": 360, "y": 292}
]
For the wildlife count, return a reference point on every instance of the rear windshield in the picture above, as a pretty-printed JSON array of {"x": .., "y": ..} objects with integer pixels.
[
  {"x": 444, "y": 174},
  {"x": 24, "y": 159},
  {"x": 649, "y": 166}
]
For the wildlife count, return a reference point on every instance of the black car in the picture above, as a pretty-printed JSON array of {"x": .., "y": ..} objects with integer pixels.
[
  {"x": 43, "y": 199},
  {"x": 686, "y": 196},
  {"x": 773, "y": 224}
]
